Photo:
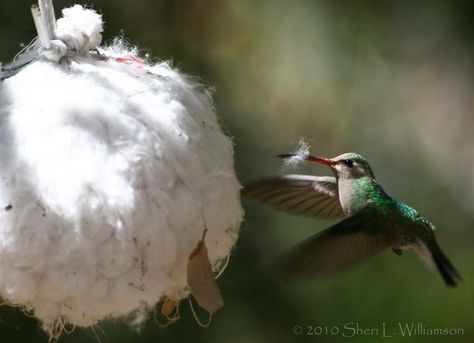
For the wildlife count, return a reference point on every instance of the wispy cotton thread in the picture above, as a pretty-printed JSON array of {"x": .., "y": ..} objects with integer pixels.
[{"x": 299, "y": 155}]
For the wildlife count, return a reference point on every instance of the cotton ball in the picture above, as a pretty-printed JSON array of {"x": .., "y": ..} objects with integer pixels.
[{"x": 110, "y": 171}]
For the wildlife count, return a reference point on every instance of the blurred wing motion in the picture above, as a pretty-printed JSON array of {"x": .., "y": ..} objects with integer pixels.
[
  {"x": 312, "y": 196},
  {"x": 342, "y": 245}
]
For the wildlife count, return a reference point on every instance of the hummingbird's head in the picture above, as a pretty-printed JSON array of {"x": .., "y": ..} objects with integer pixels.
[
  {"x": 351, "y": 165},
  {"x": 346, "y": 166}
]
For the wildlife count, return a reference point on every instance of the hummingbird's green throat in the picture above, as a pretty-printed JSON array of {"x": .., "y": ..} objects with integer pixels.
[{"x": 372, "y": 221}]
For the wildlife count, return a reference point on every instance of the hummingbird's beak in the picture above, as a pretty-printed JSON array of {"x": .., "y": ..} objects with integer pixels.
[{"x": 320, "y": 160}]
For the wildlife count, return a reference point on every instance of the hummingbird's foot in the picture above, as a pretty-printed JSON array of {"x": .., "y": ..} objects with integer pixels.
[{"x": 398, "y": 251}]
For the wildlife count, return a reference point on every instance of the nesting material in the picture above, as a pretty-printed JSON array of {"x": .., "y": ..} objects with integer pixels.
[
  {"x": 299, "y": 155},
  {"x": 111, "y": 169}
]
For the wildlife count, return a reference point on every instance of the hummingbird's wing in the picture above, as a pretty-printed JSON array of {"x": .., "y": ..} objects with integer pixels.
[
  {"x": 342, "y": 245},
  {"x": 312, "y": 196}
]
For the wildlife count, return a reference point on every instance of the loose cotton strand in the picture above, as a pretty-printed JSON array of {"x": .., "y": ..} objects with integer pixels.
[
  {"x": 55, "y": 328},
  {"x": 223, "y": 267},
  {"x": 196, "y": 317},
  {"x": 169, "y": 310}
]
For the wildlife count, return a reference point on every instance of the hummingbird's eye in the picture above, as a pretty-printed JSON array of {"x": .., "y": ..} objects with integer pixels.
[{"x": 348, "y": 163}]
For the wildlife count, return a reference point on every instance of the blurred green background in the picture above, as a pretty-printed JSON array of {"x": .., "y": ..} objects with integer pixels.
[{"x": 390, "y": 80}]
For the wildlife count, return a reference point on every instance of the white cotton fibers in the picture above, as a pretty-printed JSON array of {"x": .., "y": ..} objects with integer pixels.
[
  {"x": 80, "y": 29},
  {"x": 300, "y": 154},
  {"x": 110, "y": 170}
]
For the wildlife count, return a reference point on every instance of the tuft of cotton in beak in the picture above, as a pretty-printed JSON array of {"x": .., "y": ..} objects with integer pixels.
[
  {"x": 110, "y": 171},
  {"x": 299, "y": 155}
]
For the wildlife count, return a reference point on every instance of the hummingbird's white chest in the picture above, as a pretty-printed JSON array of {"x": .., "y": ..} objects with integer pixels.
[
  {"x": 345, "y": 197},
  {"x": 351, "y": 197}
]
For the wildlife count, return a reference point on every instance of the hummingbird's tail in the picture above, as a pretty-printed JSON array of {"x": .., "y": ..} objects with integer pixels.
[{"x": 449, "y": 273}]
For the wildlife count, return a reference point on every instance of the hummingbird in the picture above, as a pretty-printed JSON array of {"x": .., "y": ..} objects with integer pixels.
[{"x": 372, "y": 220}]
